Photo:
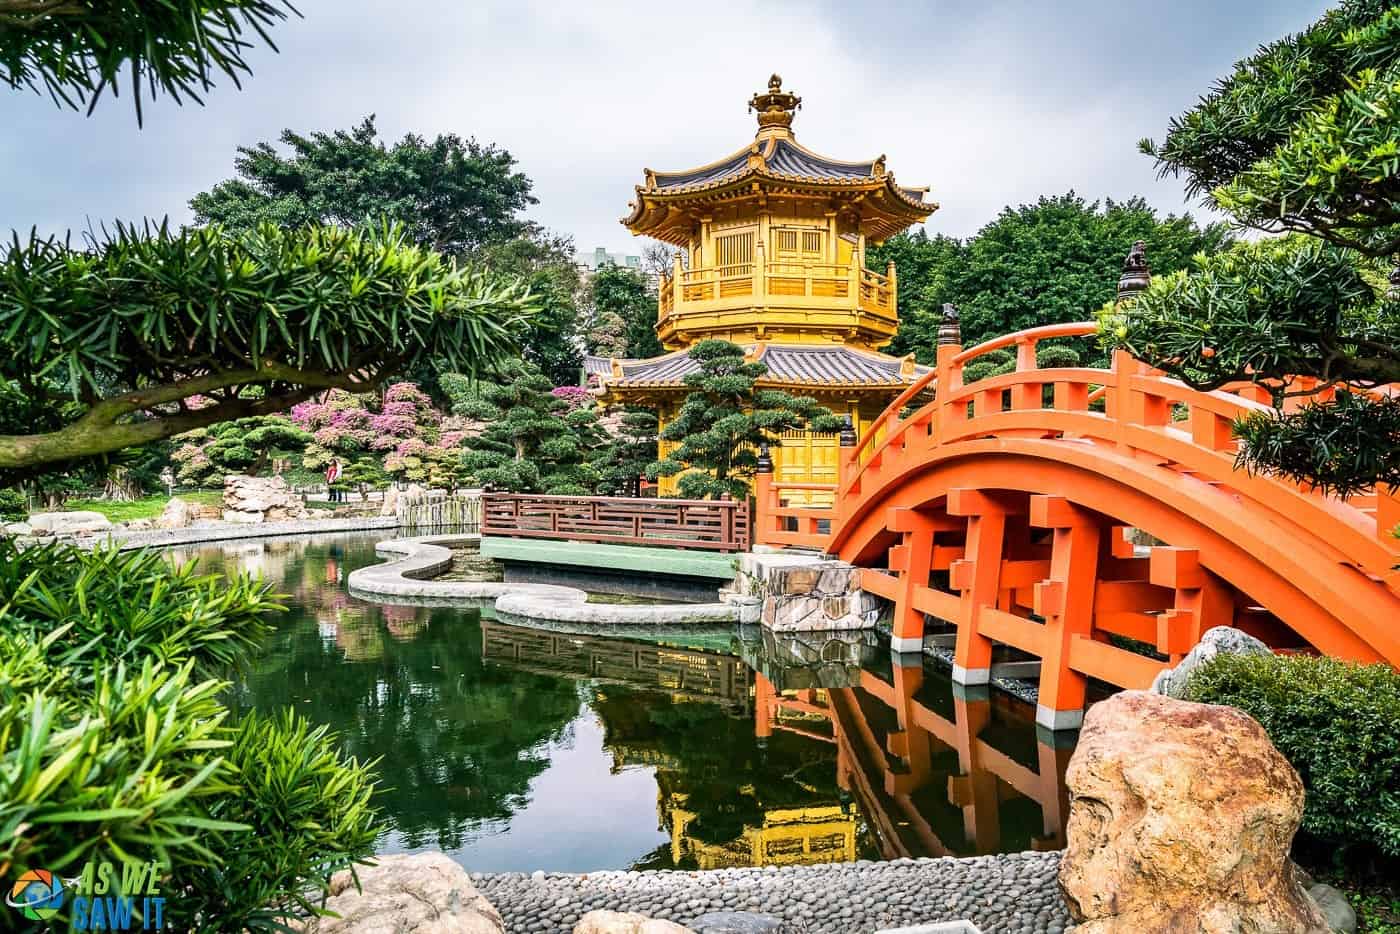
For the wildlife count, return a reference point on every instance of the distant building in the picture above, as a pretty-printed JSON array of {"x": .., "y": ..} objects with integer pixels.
[{"x": 588, "y": 263}]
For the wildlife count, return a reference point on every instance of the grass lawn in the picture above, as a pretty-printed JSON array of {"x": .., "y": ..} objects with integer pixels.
[{"x": 148, "y": 507}]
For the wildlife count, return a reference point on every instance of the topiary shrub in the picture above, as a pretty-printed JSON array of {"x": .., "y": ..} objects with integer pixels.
[
  {"x": 13, "y": 506},
  {"x": 1338, "y": 723}
]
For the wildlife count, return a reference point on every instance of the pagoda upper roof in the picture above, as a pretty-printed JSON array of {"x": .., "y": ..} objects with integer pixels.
[
  {"x": 815, "y": 365},
  {"x": 776, "y": 162}
]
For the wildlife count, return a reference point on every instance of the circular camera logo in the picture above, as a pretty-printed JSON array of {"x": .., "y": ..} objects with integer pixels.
[{"x": 38, "y": 894}]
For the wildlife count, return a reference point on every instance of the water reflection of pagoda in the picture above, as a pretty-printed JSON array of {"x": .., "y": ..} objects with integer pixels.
[
  {"x": 724, "y": 799},
  {"x": 844, "y": 757}
]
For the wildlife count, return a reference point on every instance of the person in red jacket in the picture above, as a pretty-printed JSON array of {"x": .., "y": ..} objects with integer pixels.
[{"x": 332, "y": 475}]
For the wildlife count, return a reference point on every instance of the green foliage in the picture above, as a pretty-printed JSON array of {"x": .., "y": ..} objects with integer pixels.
[
  {"x": 206, "y": 455},
  {"x": 1045, "y": 263},
  {"x": 111, "y": 344},
  {"x": 533, "y": 442},
  {"x": 723, "y": 420},
  {"x": 622, "y": 313},
  {"x": 97, "y": 606},
  {"x": 1277, "y": 309},
  {"x": 546, "y": 264},
  {"x": 117, "y": 744},
  {"x": 1335, "y": 722},
  {"x": 1344, "y": 447},
  {"x": 997, "y": 362},
  {"x": 628, "y": 454},
  {"x": 74, "y": 51},
  {"x": 1303, "y": 135},
  {"x": 451, "y": 195},
  {"x": 14, "y": 507},
  {"x": 364, "y": 474},
  {"x": 305, "y": 805}
]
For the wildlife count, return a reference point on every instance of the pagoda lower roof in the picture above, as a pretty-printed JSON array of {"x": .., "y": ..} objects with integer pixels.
[{"x": 836, "y": 366}]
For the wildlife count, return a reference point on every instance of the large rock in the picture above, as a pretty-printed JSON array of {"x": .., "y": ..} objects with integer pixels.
[
  {"x": 176, "y": 514},
  {"x": 390, "y": 504},
  {"x": 422, "y": 893},
  {"x": 1181, "y": 816},
  {"x": 1222, "y": 640},
  {"x": 626, "y": 922},
  {"x": 18, "y": 529},
  {"x": 1341, "y": 918},
  {"x": 260, "y": 499},
  {"x": 69, "y": 523}
]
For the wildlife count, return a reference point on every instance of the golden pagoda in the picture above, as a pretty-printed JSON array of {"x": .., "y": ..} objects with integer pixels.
[{"x": 771, "y": 255}]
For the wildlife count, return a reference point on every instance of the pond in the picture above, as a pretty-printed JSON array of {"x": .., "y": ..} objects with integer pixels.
[{"x": 515, "y": 748}]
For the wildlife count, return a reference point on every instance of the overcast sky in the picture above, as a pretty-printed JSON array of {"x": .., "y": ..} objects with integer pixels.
[{"x": 988, "y": 103}]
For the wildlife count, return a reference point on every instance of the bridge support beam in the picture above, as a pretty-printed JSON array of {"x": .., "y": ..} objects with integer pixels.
[
  {"x": 1066, "y": 601},
  {"x": 912, "y": 559},
  {"x": 978, "y": 577}
]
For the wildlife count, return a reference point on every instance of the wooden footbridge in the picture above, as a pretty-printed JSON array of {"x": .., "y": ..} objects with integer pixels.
[{"x": 1092, "y": 519}]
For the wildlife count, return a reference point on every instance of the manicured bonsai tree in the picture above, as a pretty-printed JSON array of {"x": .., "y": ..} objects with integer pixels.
[{"x": 724, "y": 419}]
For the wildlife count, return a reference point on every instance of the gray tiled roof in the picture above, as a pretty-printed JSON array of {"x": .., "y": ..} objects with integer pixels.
[
  {"x": 732, "y": 166},
  {"x": 787, "y": 363},
  {"x": 788, "y": 159}
]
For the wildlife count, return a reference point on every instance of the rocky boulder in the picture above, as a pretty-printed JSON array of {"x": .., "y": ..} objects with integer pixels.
[
  {"x": 260, "y": 499},
  {"x": 390, "y": 504},
  {"x": 1181, "y": 817},
  {"x": 421, "y": 893},
  {"x": 626, "y": 922},
  {"x": 18, "y": 529},
  {"x": 1222, "y": 640},
  {"x": 176, "y": 515},
  {"x": 68, "y": 523}
]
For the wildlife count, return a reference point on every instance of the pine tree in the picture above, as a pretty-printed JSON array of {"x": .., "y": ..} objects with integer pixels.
[
  {"x": 533, "y": 442},
  {"x": 243, "y": 446},
  {"x": 725, "y": 418},
  {"x": 625, "y": 459}
]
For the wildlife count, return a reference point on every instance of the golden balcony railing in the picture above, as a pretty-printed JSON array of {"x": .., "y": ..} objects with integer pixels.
[{"x": 836, "y": 286}]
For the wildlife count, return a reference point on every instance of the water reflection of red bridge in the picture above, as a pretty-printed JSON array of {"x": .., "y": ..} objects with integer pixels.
[
  {"x": 936, "y": 768},
  {"x": 913, "y": 767}
]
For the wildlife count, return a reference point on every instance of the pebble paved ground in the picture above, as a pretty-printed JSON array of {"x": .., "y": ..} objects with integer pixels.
[{"x": 1010, "y": 894}]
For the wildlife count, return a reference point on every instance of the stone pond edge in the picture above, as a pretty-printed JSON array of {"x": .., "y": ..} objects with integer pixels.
[{"x": 422, "y": 558}]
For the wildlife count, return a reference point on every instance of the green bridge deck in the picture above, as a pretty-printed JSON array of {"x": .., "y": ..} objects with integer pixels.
[{"x": 596, "y": 556}]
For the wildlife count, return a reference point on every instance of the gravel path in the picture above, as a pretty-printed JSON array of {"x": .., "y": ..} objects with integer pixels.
[{"x": 1010, "y": 894}]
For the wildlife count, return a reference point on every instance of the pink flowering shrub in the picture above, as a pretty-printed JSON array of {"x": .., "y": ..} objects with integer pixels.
[{"x": 575, "y": 397}]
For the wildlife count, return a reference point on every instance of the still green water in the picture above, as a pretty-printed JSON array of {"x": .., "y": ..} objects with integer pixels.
[{"x": 514, "y": 748}]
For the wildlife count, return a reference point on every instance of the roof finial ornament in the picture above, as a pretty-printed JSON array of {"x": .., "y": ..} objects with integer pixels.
[
  {"x": 950, "y": 327},
  {"x": 1136, "y": 273},
  {"x": 775, "y": 109}
]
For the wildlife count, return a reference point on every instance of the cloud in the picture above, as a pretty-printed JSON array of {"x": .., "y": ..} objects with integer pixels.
[{"x": 988, "y": 103}]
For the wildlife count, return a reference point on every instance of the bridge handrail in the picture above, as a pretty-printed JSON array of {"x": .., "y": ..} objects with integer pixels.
[{"x": 1030, "y": 335}]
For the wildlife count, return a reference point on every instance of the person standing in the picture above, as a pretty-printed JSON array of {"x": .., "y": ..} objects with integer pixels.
[{"x": 332, "y": 475}]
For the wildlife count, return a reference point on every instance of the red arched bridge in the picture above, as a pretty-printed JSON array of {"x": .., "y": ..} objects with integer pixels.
[{"x": 1092, "y": 519}]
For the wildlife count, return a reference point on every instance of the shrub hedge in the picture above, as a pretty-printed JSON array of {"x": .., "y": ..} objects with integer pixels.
[
  {"x": 1338, "y": 723},
  {"x": 115, "y": 743}
]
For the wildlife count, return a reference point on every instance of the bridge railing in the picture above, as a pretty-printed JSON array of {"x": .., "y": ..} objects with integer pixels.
[
  {"x": 709, "y": 525},
  {"x": 1140, "y": 410},
  {"x": 778, "y": 521}
]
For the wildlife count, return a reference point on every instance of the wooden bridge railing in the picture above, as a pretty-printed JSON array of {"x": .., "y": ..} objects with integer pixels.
[{"x": 711, "y": 525}]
